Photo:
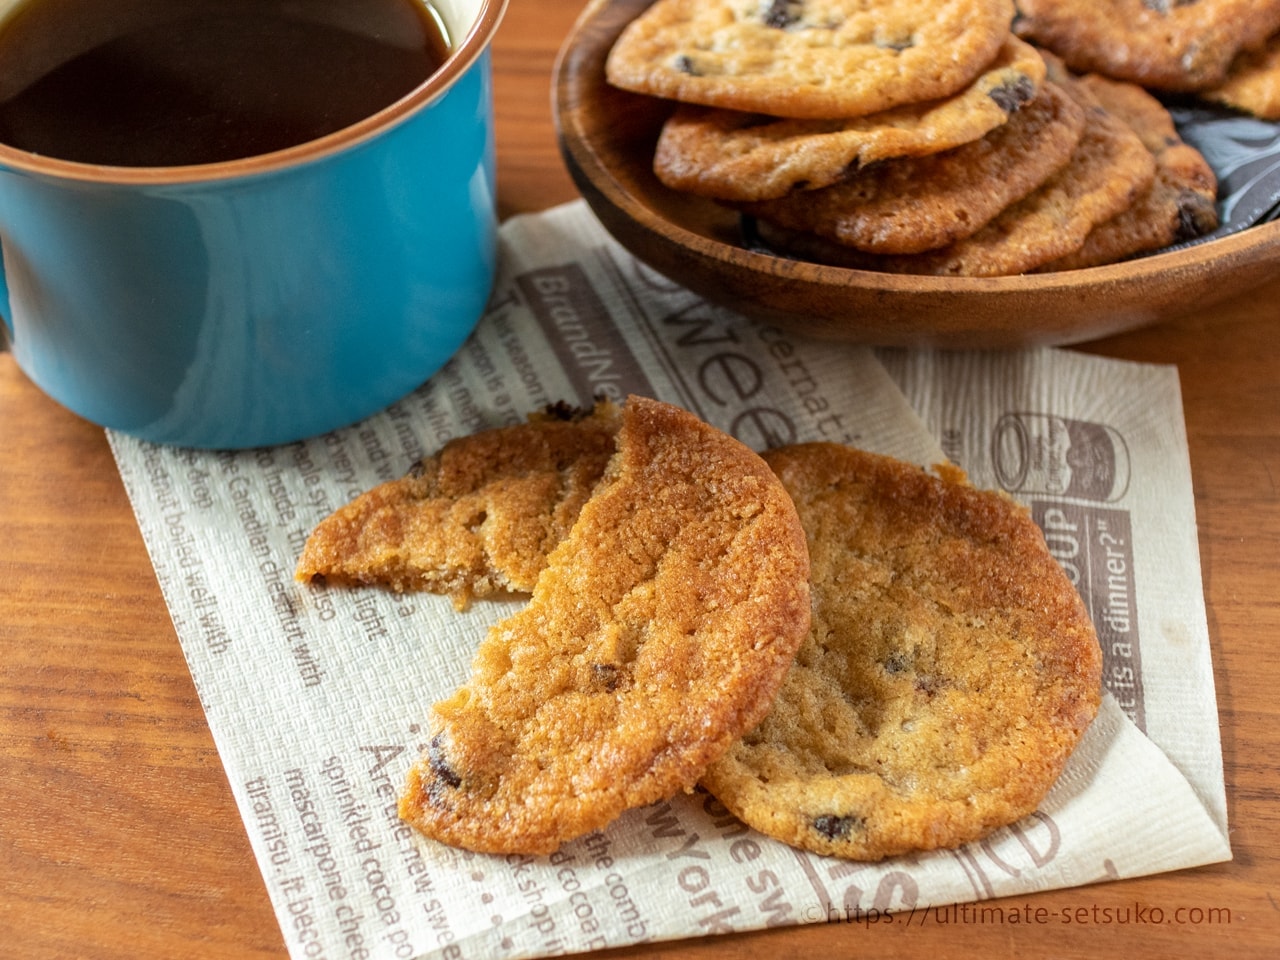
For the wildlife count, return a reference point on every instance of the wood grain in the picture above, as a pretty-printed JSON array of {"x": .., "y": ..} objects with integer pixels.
[{"x": 118, "y": 834}]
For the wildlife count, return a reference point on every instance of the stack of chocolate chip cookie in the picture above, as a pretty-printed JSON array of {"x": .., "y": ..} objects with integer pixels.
[{"x": 909, "y": 136}]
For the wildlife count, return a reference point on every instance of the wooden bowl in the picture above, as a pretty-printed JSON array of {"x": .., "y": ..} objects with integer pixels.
[{"x": 607, "y": 139}]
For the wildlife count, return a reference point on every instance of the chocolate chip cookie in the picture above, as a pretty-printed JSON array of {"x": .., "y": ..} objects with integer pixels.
[
  {"x": 1253, "y": 83},
  {"x": 949, "y": 673},
  {"x": 808, "y": 58},
  {"x": 730, "y": 155},
  {"x": 1182, "y": 45}
]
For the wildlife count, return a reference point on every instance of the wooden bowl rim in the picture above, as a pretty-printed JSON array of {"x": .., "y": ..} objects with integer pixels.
[{"x": 578, "y": 69}]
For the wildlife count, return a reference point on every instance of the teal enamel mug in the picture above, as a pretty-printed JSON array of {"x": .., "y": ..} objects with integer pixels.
[{"x": 268, "y": 298}]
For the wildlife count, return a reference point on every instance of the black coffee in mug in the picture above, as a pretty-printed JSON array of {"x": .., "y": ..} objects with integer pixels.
[{"x": 148, "y": 83}]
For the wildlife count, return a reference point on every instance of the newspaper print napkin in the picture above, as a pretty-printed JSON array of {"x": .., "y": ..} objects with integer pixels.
[
  {"x": 317, "y": 697},
  {"x": 1088, "y": 444}
]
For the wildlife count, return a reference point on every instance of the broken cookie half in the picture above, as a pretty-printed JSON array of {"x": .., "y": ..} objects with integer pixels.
[{"x": 476, "y": 518}]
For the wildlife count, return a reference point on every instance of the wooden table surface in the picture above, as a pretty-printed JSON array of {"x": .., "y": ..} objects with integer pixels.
[{"x": 118, "y": 834}]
